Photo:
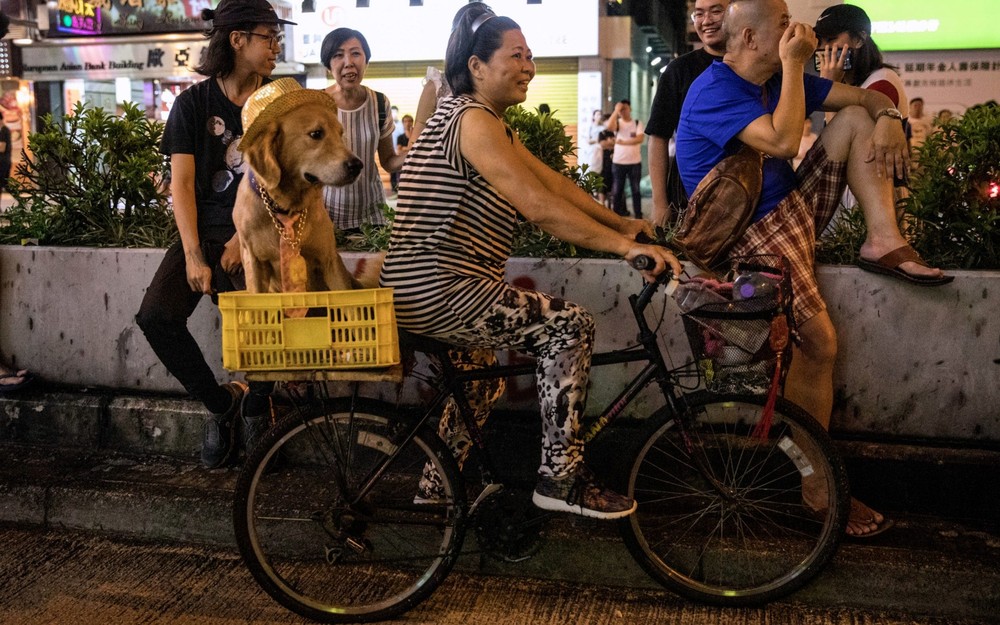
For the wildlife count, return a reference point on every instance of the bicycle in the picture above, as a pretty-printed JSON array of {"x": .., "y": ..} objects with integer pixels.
[{"x": 329, "y": 521}]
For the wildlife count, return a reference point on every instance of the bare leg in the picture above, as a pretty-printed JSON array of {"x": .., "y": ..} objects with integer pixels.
[
  {"x": 848, "y": 138},
  {"x": 810, "y": 385},
  {"x": 810, "y": 376}
]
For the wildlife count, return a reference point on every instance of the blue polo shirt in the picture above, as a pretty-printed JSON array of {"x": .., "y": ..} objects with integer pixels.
[{"x": 719, "y": 105}]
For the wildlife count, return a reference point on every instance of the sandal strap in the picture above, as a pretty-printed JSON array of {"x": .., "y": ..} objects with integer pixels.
[{"x": 901, "y": 255}]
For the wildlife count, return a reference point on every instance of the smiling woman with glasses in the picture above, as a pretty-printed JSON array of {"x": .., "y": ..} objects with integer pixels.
[{"x": 201, "y": 139}]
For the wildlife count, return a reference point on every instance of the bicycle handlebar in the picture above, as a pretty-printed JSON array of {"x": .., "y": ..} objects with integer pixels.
[{"x": 645, "y": 263}]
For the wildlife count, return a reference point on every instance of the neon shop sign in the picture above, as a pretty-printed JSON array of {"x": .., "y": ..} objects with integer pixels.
[{"x": 79, "y": 17}]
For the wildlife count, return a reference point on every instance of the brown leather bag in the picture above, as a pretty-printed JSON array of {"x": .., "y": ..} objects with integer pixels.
[{"x": 720, "y": 208}]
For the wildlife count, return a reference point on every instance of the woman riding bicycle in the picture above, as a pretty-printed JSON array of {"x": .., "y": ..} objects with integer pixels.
[{"x": 464, "y": 183}]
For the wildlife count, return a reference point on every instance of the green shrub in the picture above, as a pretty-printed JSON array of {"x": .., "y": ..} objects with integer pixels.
[
  {"x": 956, "y": 216},
  {"x": 545, "y": 136},
  {"x": 92, "y": 179}
]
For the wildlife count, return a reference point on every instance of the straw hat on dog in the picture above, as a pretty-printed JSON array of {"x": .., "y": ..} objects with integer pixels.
[{"x": 275, "y": 99}]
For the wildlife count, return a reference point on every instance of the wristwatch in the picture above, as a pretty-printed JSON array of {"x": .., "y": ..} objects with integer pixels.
[{"x": 890, "y": 112}]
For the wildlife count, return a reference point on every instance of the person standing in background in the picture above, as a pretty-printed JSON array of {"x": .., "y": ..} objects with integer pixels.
[
  {"x": 345, "y": 53},
  {"x": 920, "y": 124},
  {"x": 627, "y": 159},
  {"x": 396, "y": 132},
  {"x": 10, "y": 379},
  {"x": 668, "y": 191}
]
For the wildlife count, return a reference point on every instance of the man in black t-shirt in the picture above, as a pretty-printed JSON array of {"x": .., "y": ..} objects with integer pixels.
[
  {"x": 668, "y": 193},
  {"x": 202, "y": 139}
]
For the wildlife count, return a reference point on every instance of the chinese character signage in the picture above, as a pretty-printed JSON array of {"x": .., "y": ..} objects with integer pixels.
[
  {"x": 68, "y": 18},
  {"x": 103, "y": 62},
  {"x": 78, "y": 17},
  {"x": 949, "y": 79}
]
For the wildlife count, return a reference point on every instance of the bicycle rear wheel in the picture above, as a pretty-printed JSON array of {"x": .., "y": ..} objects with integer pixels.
[
  {"x": 722, "y": 516},
  {"x": 328, "y": 551}
]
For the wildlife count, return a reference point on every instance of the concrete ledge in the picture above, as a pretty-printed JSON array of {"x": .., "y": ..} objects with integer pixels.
[{"x": 908, "y": 355}]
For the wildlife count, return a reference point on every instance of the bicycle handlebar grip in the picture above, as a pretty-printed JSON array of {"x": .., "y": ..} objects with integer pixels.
[{"x": 643, "y": 262}]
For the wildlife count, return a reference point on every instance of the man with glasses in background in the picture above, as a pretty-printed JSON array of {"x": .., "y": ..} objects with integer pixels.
[{"x": 668, "y": 192}]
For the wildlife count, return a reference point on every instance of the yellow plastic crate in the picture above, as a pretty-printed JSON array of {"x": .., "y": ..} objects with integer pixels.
[{"x": 342, "y": 330}]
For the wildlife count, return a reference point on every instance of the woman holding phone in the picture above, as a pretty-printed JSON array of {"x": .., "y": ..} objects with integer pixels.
[{"x": 847, "y": 54}]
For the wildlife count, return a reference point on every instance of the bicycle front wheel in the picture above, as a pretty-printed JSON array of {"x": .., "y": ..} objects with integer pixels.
[
  {"x": 328, "y": 520},
  {"x": 730, "y": 515}
]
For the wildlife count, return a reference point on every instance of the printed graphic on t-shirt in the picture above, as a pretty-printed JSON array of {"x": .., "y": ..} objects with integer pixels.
[{"x": 222, "y": 139}]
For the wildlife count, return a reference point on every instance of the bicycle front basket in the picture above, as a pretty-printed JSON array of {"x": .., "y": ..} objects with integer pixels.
[{"x": 735, "y": 340}]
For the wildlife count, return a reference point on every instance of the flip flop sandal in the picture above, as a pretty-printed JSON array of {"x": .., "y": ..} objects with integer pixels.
[
  {"x": 27, "y": 378},
  {"x": 888, "y": 265},
  {"x": 881, "y": 528}
]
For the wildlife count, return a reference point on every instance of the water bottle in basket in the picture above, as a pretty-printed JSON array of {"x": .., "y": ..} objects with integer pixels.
[{"x": 751, "y": 284}]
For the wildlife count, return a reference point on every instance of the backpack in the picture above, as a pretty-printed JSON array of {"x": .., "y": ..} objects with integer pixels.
[{"x": 720, "y": 209}]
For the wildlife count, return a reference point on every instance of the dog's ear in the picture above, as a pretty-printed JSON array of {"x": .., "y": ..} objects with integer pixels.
[{"x": 264, "y": 154}]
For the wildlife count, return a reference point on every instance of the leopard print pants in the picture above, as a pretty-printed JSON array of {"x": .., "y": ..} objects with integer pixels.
[{"x": 560, "y": 335}]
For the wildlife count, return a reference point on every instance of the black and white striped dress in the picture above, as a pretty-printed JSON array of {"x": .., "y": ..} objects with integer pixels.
[
  {"x": 452, "y": 234},
  {"x": 361, "y": 201}
]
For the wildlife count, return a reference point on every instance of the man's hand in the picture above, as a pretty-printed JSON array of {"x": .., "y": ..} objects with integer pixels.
[
  {"x": 889, "y": 149},
  {"x": 631, "y": 228},
  {"x": 199, "y": 274},
  {"x": 798, "y": 44}
]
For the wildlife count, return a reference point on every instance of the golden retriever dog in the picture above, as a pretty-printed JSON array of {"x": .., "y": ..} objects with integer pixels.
[{"x": 294, "y": 146}]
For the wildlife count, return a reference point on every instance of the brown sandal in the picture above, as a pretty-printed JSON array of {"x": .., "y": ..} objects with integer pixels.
[{"x": 889, "y": 265}]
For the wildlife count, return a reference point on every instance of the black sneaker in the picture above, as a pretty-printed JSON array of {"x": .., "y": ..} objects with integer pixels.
[
  {"x": 218, "y": 445},
  {"x": 254, "y": 426},
  {"x": 581, "y": 494}
]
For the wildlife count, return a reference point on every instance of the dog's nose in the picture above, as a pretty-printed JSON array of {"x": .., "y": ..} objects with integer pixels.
[{"x": 354, "y": 166}]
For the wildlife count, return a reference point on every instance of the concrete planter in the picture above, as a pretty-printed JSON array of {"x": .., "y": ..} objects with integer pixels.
[{"x": 913, "y": 362}]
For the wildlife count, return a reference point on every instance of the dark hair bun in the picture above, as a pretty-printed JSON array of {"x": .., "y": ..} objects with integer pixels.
[{"x": 207, "y": 14}]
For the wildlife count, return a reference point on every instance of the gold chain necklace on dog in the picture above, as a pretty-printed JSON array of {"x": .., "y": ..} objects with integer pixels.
[{"x": 298, "y": 220}]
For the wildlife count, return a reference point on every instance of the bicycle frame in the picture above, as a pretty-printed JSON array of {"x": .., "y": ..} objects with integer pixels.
[{"x": 646, "y": 350}]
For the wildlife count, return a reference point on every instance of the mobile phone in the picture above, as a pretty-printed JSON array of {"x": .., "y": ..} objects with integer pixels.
[{"x": 818, "y": 59}]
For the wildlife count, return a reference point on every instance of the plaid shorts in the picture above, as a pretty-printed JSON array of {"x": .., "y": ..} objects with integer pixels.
[{"x": 791, "y": 228}]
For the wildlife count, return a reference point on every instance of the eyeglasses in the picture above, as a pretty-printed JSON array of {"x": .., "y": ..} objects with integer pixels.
[
  {"x": 715, "y": 13},
  {"x": 272, "y": 40}
]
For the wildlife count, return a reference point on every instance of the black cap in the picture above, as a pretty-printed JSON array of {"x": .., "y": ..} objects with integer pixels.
[
  {"x": 234, "y": 12},
  {"x": 841, "y": 18}
]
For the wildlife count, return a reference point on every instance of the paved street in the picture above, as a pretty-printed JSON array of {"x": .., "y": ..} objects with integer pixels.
[{"x": 73, "y": 578}]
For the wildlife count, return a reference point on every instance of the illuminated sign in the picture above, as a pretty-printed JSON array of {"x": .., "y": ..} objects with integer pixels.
[{"x": 78, "y": 17}]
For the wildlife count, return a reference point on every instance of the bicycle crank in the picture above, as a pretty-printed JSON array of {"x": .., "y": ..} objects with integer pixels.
[{"x": 508, "y": 526}]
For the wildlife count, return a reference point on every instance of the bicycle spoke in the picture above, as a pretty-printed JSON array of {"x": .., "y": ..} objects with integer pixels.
[
  {"x": 721, "y": 516},
  {"x": 320, "y": 546}
]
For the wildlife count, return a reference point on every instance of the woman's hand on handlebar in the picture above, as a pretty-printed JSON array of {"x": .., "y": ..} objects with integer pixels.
[{"x": 664, "y": 259}]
